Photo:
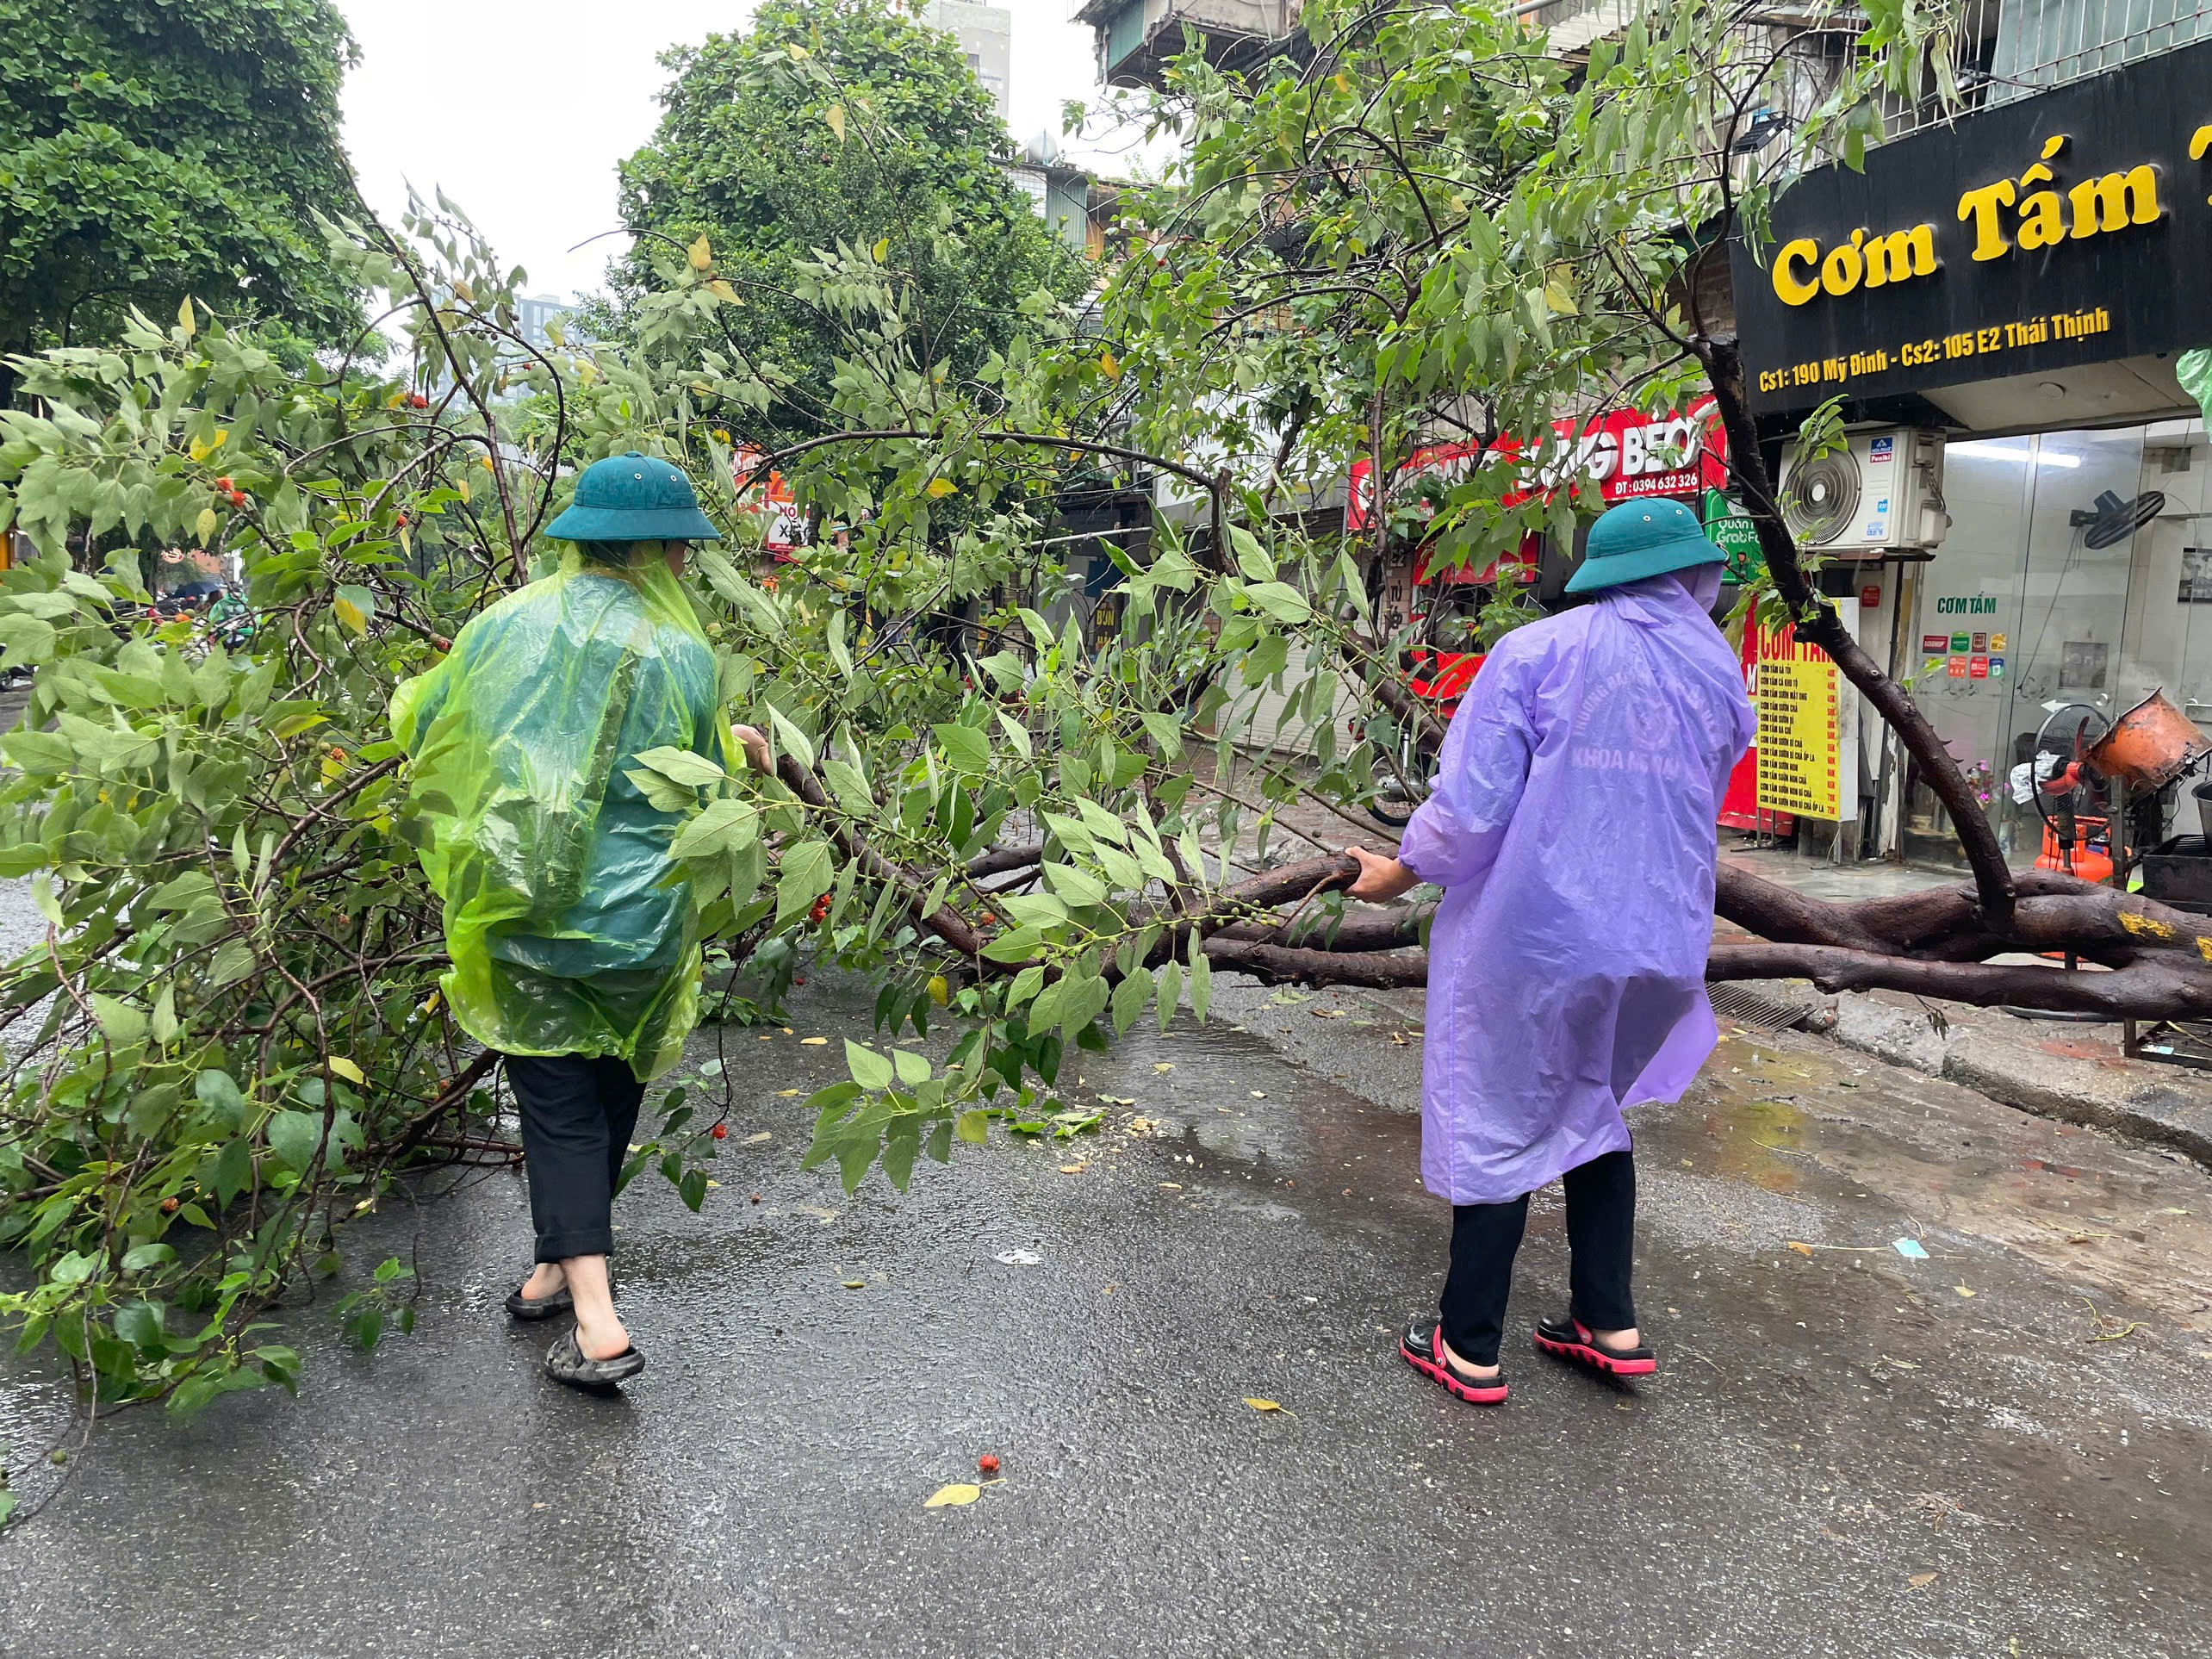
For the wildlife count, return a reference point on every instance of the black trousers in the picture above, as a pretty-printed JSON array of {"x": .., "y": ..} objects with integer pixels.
[
  {"x": 1600, "y": 1234},
  {"x": 578, "y": 1114}
]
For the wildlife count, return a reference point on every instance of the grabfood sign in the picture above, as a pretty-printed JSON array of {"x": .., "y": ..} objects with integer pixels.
[{"x": 2070, "y": 228}]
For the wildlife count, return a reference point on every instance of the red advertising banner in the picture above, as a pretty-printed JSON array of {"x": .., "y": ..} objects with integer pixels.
[
  {"x": 1632, "y": 455},
  {"x": 783, "y": 525}
]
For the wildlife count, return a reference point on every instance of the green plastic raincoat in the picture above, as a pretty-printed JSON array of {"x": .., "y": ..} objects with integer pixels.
[{"x": 569, "y": 928}]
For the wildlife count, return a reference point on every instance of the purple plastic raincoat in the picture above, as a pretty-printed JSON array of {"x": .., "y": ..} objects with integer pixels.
[{"x": 1573, "y": 831}]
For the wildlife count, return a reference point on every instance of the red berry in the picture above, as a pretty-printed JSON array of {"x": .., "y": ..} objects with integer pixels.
[
  {"x": 720, "y": 1132},
  {"x": 988, "y": 1462},
  {"x": 238, "y": 498},
  {"x": 417, "y": 400},
  {"x": 403, "y": 521},
  {"x": 438, "y": 641},
  {"x": 169, "y": 1207},
  {"x": 222, "y": 483}
]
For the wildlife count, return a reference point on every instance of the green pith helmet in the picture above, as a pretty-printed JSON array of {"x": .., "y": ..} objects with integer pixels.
[
  {"x": 633, "y": 497},
  {"x": 1643, "y": 538}
]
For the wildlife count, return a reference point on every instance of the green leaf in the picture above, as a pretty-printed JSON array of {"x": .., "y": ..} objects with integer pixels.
[
  {"x": 1129, "y": 999},
  {"x": 1202, "y": 980},
  {"x": 806, "y": 875},
  {"x": 139, "y": 1258},
  {"x": 870, "y": 1070},
  {"x": 140, "y": 1324},
  {"x": 1254, "y": 564},
  {"x": 1280, "y": 600},
  {"x": 969, "y": 1127},
  {"x": 233, "y": 1170},
  {"x": 293, "y": 1137},
  {"x": 220, "y": 1096},
  {"x": 967, "y": 748},
  {"x": 1170, "y": 985},
  {"x": 1167, "y": 732},
  {"x": 726, "y": 826},
  {"x": 123, "y": 1023},
  {"x": 913, "y": 1068},
  {"x": 1075, "y": 885},
  {"x": 355, "y": 605},
  {"x": 790, "y": 739},
  {"x": 683, "y": 766},
  {"x": 164, "y": 1024},
  {"x": 692, "y": 1189}
]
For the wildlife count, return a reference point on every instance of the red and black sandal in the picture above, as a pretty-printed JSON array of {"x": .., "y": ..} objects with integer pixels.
[
  {"x": 1573, "y": 1341},
  {"x": 1424, "y": 1351}
]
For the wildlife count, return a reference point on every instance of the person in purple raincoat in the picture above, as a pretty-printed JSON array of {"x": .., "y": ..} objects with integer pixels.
[{"x": 1572, "y": 829}]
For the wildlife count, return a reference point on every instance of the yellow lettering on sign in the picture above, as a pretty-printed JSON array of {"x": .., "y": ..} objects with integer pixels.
[
  {"x": 1901, "y": 254},
  {"x": 1790, "y": 287},
  {"x": 2116, "y": 202},
  {"x": 1981, "y": 207}
]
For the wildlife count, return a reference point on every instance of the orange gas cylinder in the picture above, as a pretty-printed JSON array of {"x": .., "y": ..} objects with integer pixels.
[{"x": 2091, "y": 863}]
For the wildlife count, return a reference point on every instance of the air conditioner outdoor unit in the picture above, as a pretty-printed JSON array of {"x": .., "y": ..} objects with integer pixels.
[{"x": 1882, "y": 492}]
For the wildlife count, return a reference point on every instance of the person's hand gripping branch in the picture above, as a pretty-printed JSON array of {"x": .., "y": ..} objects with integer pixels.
[
  {"x": 755, "y": 745},
  {"x": 1381, "y": 879}
]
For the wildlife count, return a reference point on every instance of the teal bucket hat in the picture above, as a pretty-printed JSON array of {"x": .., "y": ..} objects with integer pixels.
[
  {"x": 633, "y": 497},
  {"x": 1643, "y": 538}
]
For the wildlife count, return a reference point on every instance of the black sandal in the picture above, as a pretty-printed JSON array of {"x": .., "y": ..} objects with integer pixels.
[
  {"x": 565, "y": 1362},
  {"x": 1424, "y": 1351},
  {"x": 537, "y": 1307},
  {"x": 1573, "y": 1341}
]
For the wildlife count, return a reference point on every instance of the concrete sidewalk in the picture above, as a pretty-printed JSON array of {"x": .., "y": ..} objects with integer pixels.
[{"x": 2064, "y": 1068}]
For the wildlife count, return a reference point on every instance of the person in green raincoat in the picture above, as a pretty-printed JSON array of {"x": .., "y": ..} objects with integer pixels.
[{"x": 574, "y": 941}]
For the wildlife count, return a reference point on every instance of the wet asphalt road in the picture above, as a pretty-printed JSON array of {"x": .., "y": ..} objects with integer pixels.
[{"x": 1842, "y": 1453}]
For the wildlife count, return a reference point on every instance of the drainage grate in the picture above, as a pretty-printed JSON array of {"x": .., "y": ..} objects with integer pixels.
[{"x": 1749, "y": 1007}]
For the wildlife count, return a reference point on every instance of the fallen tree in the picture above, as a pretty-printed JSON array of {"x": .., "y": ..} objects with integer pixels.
[{"x": 229, "y": 1039}]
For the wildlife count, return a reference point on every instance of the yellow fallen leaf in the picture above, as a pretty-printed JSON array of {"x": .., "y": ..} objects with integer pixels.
[
  {"x": 1258, "y": 1094},
  {"x": 812, "y": 1043},
  {"x": 713, "y": 1183},
  {"x": 1962, "y": 1289},
  {"x": 701, "y": 255},
  {"x": 1269, "y": 1405},
  {"x": 343, "y": 1068},
  {"x": 1800, "y": 1246},
  {"x": 954, "y": 1496},
  {"x": 1163, "y": 1066},
  {"x": 1073, "y": 1169},
  {"x": 1922, "y": 1580},
  {"x": 855, "y": 1285},
  {"x": 785, "y": 1094},
  {"x": 1171, "y": 1186}
]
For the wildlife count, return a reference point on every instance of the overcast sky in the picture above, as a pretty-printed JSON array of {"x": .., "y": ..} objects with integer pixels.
[{"x": 519, "y": 109}]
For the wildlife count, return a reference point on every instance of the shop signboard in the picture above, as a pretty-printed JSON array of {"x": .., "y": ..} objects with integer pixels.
[
  {"x": 1633, "y": 455},
  {"x": 783, "y": 521},
  {"x": 1733, "y": 534},
  {"x": 1800, "y": 736},
  {"x": 2067, "y": 228}
]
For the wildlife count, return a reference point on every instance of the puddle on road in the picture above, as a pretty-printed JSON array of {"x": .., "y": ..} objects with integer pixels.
[{"x": 2114, "y": 1219}]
